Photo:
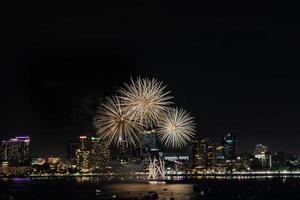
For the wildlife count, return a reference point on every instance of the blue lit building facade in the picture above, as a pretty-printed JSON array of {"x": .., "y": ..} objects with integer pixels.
[{"x": 230, "y": 147}]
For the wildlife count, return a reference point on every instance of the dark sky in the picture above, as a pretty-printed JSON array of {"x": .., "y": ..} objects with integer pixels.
[{"x": 232, "y": 64}]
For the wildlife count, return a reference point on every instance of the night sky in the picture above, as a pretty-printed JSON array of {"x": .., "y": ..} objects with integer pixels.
[{"x": 231, "y": 64}]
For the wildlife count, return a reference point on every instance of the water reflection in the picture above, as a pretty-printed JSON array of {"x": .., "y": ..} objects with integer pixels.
[
  {"x": 135, "y": 190},
  {"x": 182, "y": 188}
]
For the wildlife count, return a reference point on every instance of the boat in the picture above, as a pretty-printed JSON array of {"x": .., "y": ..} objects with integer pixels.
[{"x": 156, "y": 172}]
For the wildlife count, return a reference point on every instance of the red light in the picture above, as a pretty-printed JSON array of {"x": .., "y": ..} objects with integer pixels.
[{"x": 82, "y": 137}]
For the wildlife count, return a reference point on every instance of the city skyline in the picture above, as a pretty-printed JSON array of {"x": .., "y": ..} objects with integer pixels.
[
  {"x": 217, "y": 139},
  {"x": 228, "y": 138},
  {"x": 92, "y": 156}
]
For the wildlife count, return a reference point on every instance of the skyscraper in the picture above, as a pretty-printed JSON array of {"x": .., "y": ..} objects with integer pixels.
[
  {"x": 220, "y": 154},
  {"x": 83, "y": 155},
  {"x": 124, "y": 153},
  {"x": 260, "y": 153},
  {"x": 229, "y": 142},
  {"x": 149, "y": 144},
  {"x": 200, "y": 153},
  {"x": 211, "y": 155},
  {"x": 83, "y": 142},
  {"x": 16, "y": 151},
  {"x": 99, "y": 154}
]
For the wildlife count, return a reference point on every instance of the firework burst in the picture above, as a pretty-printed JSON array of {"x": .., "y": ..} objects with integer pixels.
[
  {"x": 146, "y": 99},
  {"x": 115, "y": 123},
  {"x": 176, "y": 128}
]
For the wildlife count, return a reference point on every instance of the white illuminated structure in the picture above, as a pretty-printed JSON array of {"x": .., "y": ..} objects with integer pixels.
[{"x": 157, "y": 172}]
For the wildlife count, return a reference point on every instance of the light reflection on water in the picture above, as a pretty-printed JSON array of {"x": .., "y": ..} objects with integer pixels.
[
  {"x": 180, "y": 191},
  {"x": 182, "y": 188},
  {"x": 97, "y": 179},
  {"x": 17, "y": 180},
  {"x": 21, "y": 180}
]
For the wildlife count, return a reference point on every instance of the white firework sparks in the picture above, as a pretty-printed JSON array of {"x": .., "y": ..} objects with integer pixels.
[
  {"x": 147, "y": 99},
  {"x": 176, "y": 128},
  {"x": 115, "y": 123}
]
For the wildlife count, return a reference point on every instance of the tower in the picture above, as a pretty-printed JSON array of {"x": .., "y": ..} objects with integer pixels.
[
  {"x": 99, "y": 154},
  {"x": 200, "y": 153},
  {"x": 260, "y": 153},
  {"x": 149, "y": 144},
  {"x": 229, "y": 142},
  {"x": 83, "y": 155}
]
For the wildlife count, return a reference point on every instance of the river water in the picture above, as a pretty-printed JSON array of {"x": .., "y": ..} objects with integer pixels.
[{"x": 242, "y": 188}]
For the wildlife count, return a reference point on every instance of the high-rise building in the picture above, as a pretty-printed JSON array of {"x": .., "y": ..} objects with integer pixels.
[
  {"x": 207, "y": 155},
  {"x": 4, "y": 168},
  {"x": 138, "y": 154},
  {"x": 15, "y": 151},
  {"x": 83, "y": 155},
  {"x": 220, "y": 157},
  {"x": 230, "y": 147},
  {"x": 149, "y": 144},
  {"x": 99, "y": 154},
  {"x": 129, "y": 154},
  {"x": 260, "y": 149},
  {"x": 211, "y": 155},
  {"x": 124, "y": 152},
  {"x": 260, "y": 153},
  {"x": 83, "y": 142},
  {"x": 199, "y": 154}
]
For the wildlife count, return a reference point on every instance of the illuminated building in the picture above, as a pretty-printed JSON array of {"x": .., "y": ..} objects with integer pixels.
[
  {"x": 5, "y": 168},
  {"x": 38, "y": 161},
  {"x": 220, "y": 157},
  {"x": 99, "y": 154},
  {"x": 83, "y": 145},
  {"x": 138, "y": 154},
  {"x": 149, "y": 144},
  {"x": 230, "y": 147},
  {"x": 82, "y": 160},
  {"x": 207, "y": 155},
  {"x": 260, "y": 149},
  {"x": 54, "y": 160},
  {"x": 176, "y": 162},
  {"x": 16, "y": 151},
  {"x": 176, "y": 157},
  {"x": 124, "y": 152},
  {"x": 199, "y": 153},
  {"x": 134, "y": 154},
  {"x": 83, "y": 155},
  {"x": 211, "y": 159},
  {"x": 260, "y": 153}
]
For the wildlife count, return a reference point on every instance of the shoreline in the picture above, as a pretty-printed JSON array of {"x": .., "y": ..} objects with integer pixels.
[{"x": 169, "y": 178}]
